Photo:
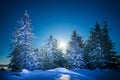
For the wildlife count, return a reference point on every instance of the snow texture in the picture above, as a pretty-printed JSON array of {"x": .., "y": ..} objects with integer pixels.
[
  {"x": 22, "y": 54},
  {"x": 61, "y": 74}
]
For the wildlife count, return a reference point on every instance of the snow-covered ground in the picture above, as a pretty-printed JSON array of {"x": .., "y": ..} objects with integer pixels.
[{"x": 61, "y": 74}]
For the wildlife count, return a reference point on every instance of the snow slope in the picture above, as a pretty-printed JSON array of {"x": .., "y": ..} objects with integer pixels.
[{"x": 60, "y": 74}]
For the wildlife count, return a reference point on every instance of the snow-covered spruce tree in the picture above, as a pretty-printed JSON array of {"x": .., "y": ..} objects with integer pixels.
[
  {"x": 22, "y": 55},
  {"x": 39, "y": 57},
  {"x": 111, "y": 57},
  {"x": 52, "y": 56},
  {"x": 94, "y": 49},
  {"x": 88, "y": 56},
  {"x": 75, "y": 52}
]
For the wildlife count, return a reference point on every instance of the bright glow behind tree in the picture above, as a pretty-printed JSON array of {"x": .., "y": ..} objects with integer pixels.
[{"x": 63, "y": 46}]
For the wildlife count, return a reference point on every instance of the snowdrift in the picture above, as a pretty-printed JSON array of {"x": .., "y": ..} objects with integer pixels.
[{"x": 60, "y": 74}]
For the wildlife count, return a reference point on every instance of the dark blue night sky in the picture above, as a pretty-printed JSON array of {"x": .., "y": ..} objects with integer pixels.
[{"x": 59, "y": 18}]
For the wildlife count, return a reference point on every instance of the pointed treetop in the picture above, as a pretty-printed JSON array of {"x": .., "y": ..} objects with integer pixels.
[
  {"x": 74, "y": 34},
  {"x": 26, "y": 13},
  {"x": 105, "y": 29},
  {"x": 105, "y": 24},
  {"x": 51, "y": 36},
  {"x": 97, "y": 26},
  {"x": 74, "y": 31}
]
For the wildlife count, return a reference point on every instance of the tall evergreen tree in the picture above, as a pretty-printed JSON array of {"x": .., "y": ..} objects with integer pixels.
[
  {"x": 76, "y": 51},
  {"x": 94, "y": 49},
  {"x": 111, "y": 58},
  {"x": 22, "y": 55}
]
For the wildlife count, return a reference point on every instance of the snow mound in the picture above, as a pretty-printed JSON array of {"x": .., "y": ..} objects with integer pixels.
[
  {"x": 64, "y": 77},
  {"x": 69, "y": 75},
  {"x": 25, "y": 71},
  {"x": 63, "y": 70},
  {"x": 60, "y": 74}
]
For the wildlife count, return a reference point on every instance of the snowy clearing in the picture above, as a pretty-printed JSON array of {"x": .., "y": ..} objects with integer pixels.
[{"x": 61, "y": 74}]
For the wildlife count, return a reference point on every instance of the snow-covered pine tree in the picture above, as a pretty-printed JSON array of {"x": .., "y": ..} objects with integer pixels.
[
  {"x": 111, "y": 57},
  {"x": 88, "y": 56},
  {"x": 52, "y": 56},
  {"x": 39, "y": 57},
  {"x": 75, "y": 52},
  {"x": 22, "y": 55},
  {"x": 94, "y": 50}
]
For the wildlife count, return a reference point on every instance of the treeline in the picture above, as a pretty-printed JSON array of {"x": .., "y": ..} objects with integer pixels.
[{"x": 97, "y": 52}]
